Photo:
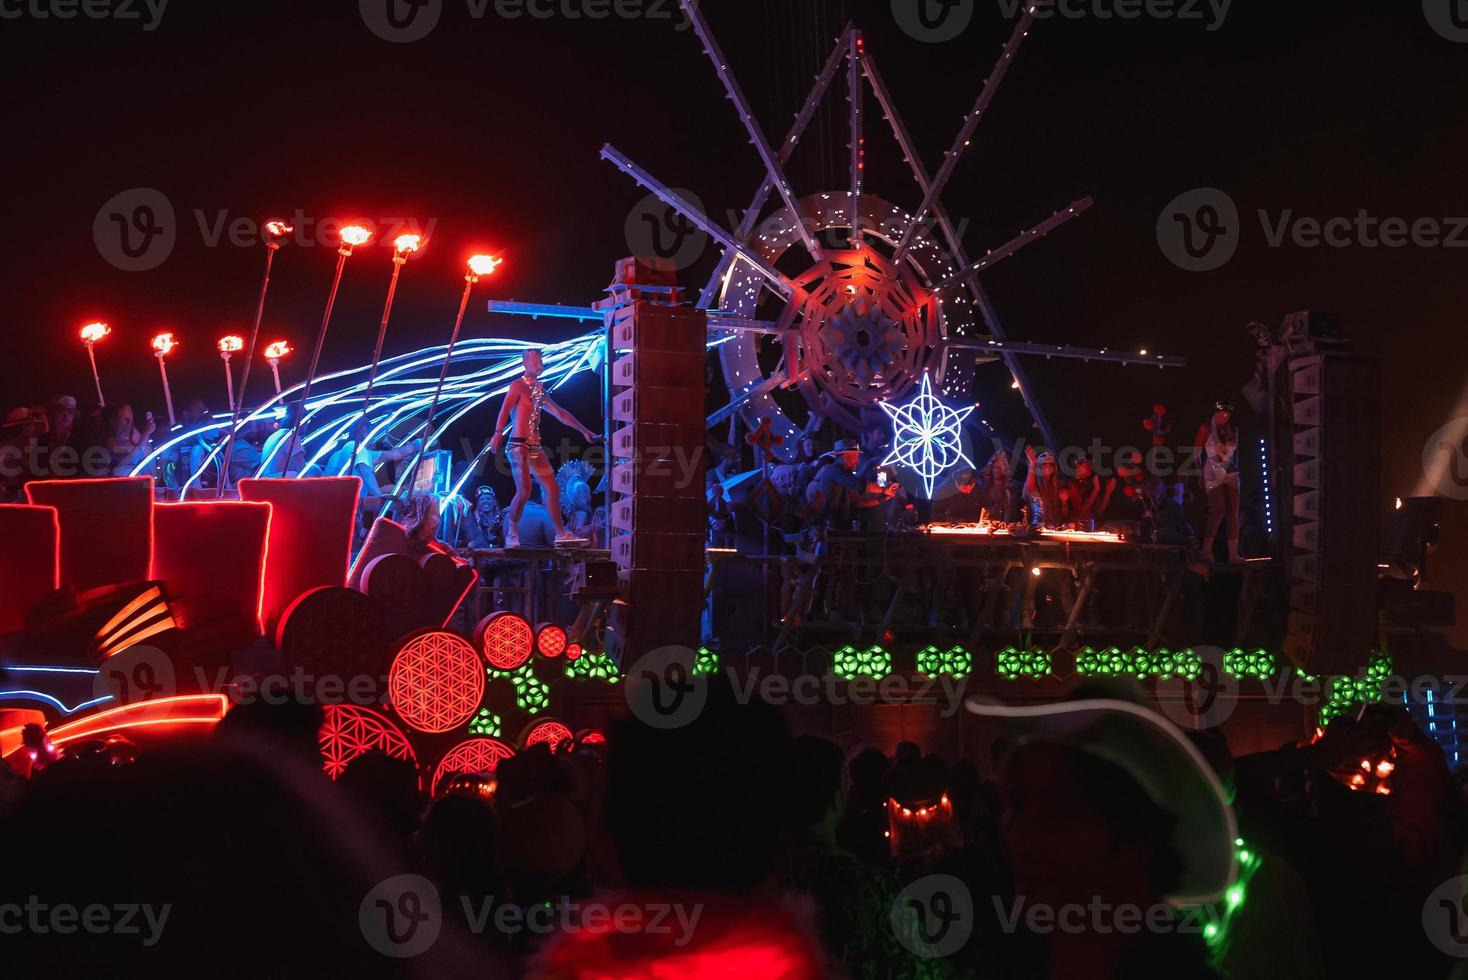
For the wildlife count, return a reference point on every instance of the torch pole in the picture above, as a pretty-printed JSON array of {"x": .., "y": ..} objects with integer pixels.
[
  {"x": 275, "y": 371},
  {"x": 443, "y": 373},
  {"x": 343, "y": 254},
  {"x": 228, "y": 380},
  {"x": 167, "y": 393},
  {"x": 271, "y": 247},
  {"x": 96, "y": 378}
]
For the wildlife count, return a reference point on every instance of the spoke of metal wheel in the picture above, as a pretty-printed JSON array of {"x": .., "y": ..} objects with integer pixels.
[
  {"x": 746, "y": 115},
  {"x": 668, "y": 196},
  {"x": 802, "y": 121},
  {"x": 966, "y": 131},
  {"x": 858, "y": 137},
  {"x": 955, "y": 244},
  {"x": 1018, "y": 242}
]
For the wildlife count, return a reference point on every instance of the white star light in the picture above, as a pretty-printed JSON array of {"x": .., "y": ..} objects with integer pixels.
[{"x": 926, "y": 436}]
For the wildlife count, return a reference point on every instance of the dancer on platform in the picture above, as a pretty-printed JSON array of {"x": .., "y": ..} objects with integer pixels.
[
  {"x": 521, "y": 410},
  {"x": 1218, "y": 442}
]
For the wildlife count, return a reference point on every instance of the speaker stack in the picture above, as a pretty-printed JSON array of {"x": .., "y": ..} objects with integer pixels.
[
  {"x": 657, "y": 518},
  {"x": 1335, "y": 415}
]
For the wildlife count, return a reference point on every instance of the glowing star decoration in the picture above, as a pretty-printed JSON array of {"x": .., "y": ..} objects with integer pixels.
[{"x": 927, "y": 436}]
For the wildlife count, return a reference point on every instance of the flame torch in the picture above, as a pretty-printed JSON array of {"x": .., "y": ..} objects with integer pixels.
[
  {"x": 276, "y": 232},
  {"x": 479, "y": 265},
  {"x": 163, "y": 345},
  {"x": 92, "y": 333},
  {"x": 274, "y": 354},
  {"x": 228, "y": 347},
  {"x": 351, "y": 237}
]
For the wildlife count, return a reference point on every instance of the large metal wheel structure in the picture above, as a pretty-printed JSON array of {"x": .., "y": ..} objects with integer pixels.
[{"x": 866, "y": 330}]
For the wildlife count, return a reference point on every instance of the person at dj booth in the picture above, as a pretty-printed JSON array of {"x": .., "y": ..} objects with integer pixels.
[
  {"x": 848, "y": 487},
  {"x": 958, "y": 501}
]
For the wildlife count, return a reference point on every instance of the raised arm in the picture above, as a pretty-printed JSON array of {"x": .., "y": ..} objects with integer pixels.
[{"x": 558, "y": 412}]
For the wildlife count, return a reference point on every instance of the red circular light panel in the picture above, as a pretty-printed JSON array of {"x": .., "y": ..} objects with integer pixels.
[
  {"x": 550, "y": 640},
  {"x": 550, "y": 733},
  {"x": 573, "y": 651},
  {"x": 349, "y": 731},
  {"x": 506, "y": 640},
  {"x": 477, "y": 755},
  {"x": 436, "y": 681}
]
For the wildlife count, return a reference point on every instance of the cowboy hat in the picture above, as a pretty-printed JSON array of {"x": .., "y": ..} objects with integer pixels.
[{"x": 1163, "y": 762}]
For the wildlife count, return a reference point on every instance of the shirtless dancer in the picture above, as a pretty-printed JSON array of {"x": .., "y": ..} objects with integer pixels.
[{"x": 522, "y": 405}]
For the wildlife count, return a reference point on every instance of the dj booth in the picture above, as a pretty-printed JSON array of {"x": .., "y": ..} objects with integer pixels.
[{"x": 987, "y": 580}]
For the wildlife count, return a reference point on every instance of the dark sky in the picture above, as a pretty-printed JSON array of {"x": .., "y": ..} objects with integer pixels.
[{"x": 489, "y": 129}]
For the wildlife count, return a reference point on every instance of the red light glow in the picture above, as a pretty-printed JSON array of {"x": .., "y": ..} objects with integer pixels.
[
  {"x": 407, "y": 244},
  {"x": 277, "y": 350},
  {"x": 163, "y": 344},
  {"x": 483, "y": 265},
  {"x": 94, "y": 332},
  {"x": 550, "y": 640},
  {"x": 231, "y": 344},
  {"x": 277, "y": 229},
  {"x": 436, "y": 681},
  {"x": 356, "y": 235},
  {"x": 350, "y": 730},
  {"x": 549, "y": 733},
  {"x": 506, "y": 640},
  {"x": 480, "y": 756},
  {"x": 182, "y": 709}
]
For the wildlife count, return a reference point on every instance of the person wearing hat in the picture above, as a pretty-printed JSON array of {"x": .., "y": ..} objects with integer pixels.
[
  {"x": 1218, "y": 446},
  {"x": 846, "y": 489},
  {"x": 18, "y": 432},
  {"x": 61, "y": 415},
  {"x": 484, "y": 524},
  {"x": 1112, "y": 820}
]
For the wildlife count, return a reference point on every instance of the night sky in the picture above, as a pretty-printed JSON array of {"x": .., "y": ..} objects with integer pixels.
[{"x": 487, "y": 133}]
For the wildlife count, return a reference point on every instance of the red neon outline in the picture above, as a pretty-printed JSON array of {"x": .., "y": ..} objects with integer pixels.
[
  {"x": 264, "y": 545},
  {"x": 30, "y": 498},
  {"x": 118, "y": 625},
  {"x": 140, "y": 632},
  {"x": 211, "y": 708},
  {"x": 351, "y": 534}
]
